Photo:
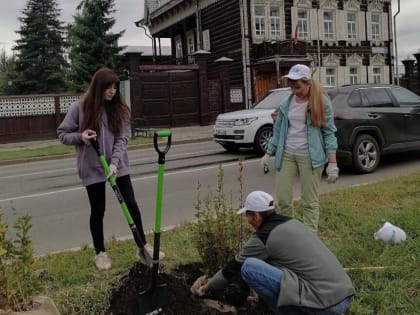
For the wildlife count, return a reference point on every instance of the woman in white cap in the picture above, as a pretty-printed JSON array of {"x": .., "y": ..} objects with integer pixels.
[{"x": 303, "y": 143}]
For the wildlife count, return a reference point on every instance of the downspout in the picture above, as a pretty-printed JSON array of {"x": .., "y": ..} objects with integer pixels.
[
  {"x": 198, "y": 23},
  {"x": 245, "y": 53},
  {"x": 395, "y": 45},
  {"x": 367, "y": 38},
  {"x": 153, "y": 41}
]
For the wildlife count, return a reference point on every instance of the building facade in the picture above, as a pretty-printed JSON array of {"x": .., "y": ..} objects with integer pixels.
[{"x": 343, "y": 41}]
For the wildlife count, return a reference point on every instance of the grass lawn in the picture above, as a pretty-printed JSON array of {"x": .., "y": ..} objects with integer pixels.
[
  {"x": 349, "y": 217},
  {"x": 54, "y": 150}
]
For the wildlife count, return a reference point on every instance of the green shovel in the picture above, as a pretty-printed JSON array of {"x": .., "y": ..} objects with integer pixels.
[
  {"x": 143, "y": 253},
  {"x": 155, "y": 297}
]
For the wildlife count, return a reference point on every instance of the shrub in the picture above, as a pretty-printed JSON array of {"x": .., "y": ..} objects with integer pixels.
[
  {"x": 219, "y": 231},
  {"x": 17, "y": 279}
]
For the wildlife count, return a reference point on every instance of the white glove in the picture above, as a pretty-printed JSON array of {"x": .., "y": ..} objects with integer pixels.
[
  {"x": 332, "y": 173},
  {"x": 264, "y": 162},
  {"x": 87, "y": 135},
  {"x": 199, "y": 287},
  {"x": 112, "y": 171}
]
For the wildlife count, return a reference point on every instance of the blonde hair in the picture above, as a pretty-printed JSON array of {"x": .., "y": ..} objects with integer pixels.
[{"x": 316, "y": 106}]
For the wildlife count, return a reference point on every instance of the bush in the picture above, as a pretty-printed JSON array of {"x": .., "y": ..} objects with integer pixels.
[
  {"x": 220, "y": 231},
  {"x": 17, "y": 279}
]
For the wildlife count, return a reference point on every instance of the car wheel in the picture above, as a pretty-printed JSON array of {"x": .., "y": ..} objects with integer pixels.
[
  {"x": 231, "y": 147},
  {"x": 366, "y": 154},
  {"x": 261, "y": 139}
]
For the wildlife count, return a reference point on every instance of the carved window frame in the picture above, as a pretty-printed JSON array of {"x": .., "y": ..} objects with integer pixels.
[{"x": 265, "y": 31}]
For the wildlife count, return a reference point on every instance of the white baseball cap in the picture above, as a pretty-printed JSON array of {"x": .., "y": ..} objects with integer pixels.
[
  {"x": 298, "y": 72},
  {"x": 258, "y": 201}
]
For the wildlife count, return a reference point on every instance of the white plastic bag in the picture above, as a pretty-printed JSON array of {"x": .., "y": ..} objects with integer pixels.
[{"x": 390, "y": 234}]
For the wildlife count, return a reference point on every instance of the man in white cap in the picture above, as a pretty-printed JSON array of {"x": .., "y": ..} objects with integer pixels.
[{"x": 285, "y": 264}]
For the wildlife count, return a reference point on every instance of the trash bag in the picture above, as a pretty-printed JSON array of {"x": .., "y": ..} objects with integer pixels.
[{"x": 390, "y": 234}]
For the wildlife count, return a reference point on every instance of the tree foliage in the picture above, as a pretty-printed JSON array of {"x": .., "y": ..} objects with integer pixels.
[
  {"x": 40, "y": 62},
  {"x": 7, "y": 73},
  {"x": 93, "y": 45}
]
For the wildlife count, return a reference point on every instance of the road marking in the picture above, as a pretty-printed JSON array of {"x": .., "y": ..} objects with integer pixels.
[
  {"x": 132, "y": 161},
  {"x": 38, "y": 173},
  {"x": 133, "y": 179}
]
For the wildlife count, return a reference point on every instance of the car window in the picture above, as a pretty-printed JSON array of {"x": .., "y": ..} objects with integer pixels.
[
  {"x": 376, "y": 97},
  {"x": 272, "y": 99},
  {"x": 354, "y": 99},
  {"x": 405, "y": 97}
]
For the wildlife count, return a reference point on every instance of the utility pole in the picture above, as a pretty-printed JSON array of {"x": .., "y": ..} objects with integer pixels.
[
  {"x": 318, "y": 43},
  {"x": 397, "y": 74}
]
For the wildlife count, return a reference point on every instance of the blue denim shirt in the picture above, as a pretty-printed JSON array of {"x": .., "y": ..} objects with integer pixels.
[{"x": 321, "y": 141}]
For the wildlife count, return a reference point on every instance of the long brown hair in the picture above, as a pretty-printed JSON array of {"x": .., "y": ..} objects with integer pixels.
[
  {"x": 316, "y": 104},
  {"x": 94, "y": 101}
]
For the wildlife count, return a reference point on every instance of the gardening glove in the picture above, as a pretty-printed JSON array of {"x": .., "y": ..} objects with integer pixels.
[
  {"x": 332, "y": 173},
  {"x": 199, "y": 287},
  {"x": 264, "y": 162},
  {"x": 88, "y": 135},
  {"x": 112, "y": 171}
]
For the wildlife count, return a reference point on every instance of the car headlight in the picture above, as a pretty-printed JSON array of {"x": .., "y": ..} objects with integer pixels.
[{"x": 244, "y": 121}]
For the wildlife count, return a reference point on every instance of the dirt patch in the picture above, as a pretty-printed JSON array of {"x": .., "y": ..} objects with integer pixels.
[{"x": 172, "y": 295}]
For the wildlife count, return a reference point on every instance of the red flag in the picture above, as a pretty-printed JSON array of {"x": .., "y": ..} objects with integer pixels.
[{"x": 295, "y": 37}]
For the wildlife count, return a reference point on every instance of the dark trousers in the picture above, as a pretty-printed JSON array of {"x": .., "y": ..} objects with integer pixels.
[{"x": 96, "y": 194}]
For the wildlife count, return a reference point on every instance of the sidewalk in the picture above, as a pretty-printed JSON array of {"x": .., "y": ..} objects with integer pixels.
[{"x": 179, "y": 135}]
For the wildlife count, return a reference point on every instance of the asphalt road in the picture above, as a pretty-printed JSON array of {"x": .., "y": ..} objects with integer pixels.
[{"x": 51, "y": 191}]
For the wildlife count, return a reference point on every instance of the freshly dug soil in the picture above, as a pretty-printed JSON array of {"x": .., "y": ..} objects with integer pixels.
[{"x": 172, "y": 295}]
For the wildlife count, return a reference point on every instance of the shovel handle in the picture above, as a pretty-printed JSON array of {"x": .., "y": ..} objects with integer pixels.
[
  {"x": 124, "y": 208},
  {"x": 162, "y": 134}
]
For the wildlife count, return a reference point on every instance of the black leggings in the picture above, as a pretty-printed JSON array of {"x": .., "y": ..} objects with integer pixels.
[{"x": 96, "y": 194}]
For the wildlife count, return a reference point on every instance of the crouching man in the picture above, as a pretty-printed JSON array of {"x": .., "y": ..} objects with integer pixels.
[{"x": 288, "y": 266}]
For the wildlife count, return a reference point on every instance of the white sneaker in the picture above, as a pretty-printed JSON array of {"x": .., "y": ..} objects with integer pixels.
[
  {"x": 102, "y": 261},
  {"x": 149, "y": 249}
]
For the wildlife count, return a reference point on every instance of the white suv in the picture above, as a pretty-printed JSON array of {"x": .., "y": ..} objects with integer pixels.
[{"x": 249, "y": 127}]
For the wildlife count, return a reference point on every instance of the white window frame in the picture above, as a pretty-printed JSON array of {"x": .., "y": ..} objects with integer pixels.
[
  {"x": 330, "y": 76},
  {"x": 267, "y": 20},
  {"x": 259, "y": 21},
  {"x": 353, "y": 75},
  {"x": 206, "y": 40},
  {"x": 190, "y": 38},
  {"x": 302, "y": 23},
  {"x": 328, "y": 23},
  {"x": 275, "y": 21},
  {"x": 351, "y": 26},
  {"x": 178, "y": 47},
  {"x": 377, "y": 75},
  {"x": 376, "y": 26}
]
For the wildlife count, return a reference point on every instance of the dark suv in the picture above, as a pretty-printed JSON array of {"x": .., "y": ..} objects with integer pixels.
[{"x": 373, "y": 120}]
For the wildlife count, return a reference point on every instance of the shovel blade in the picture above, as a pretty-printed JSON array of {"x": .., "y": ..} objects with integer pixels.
[{"x": 145, "y": 257}]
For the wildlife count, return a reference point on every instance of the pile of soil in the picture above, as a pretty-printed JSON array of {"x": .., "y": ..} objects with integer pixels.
[{"x": 172, "y": 295}]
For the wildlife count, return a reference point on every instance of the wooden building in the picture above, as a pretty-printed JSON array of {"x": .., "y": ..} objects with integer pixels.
[
  {"x": 411, "y": 77},
  {"x": 344, "y": 41}
]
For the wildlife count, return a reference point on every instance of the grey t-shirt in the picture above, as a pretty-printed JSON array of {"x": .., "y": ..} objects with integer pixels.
[{"x": 297, "y": 139}]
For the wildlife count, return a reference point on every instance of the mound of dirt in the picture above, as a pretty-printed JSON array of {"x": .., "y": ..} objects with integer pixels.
[{"x": 171, "y": 295}]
